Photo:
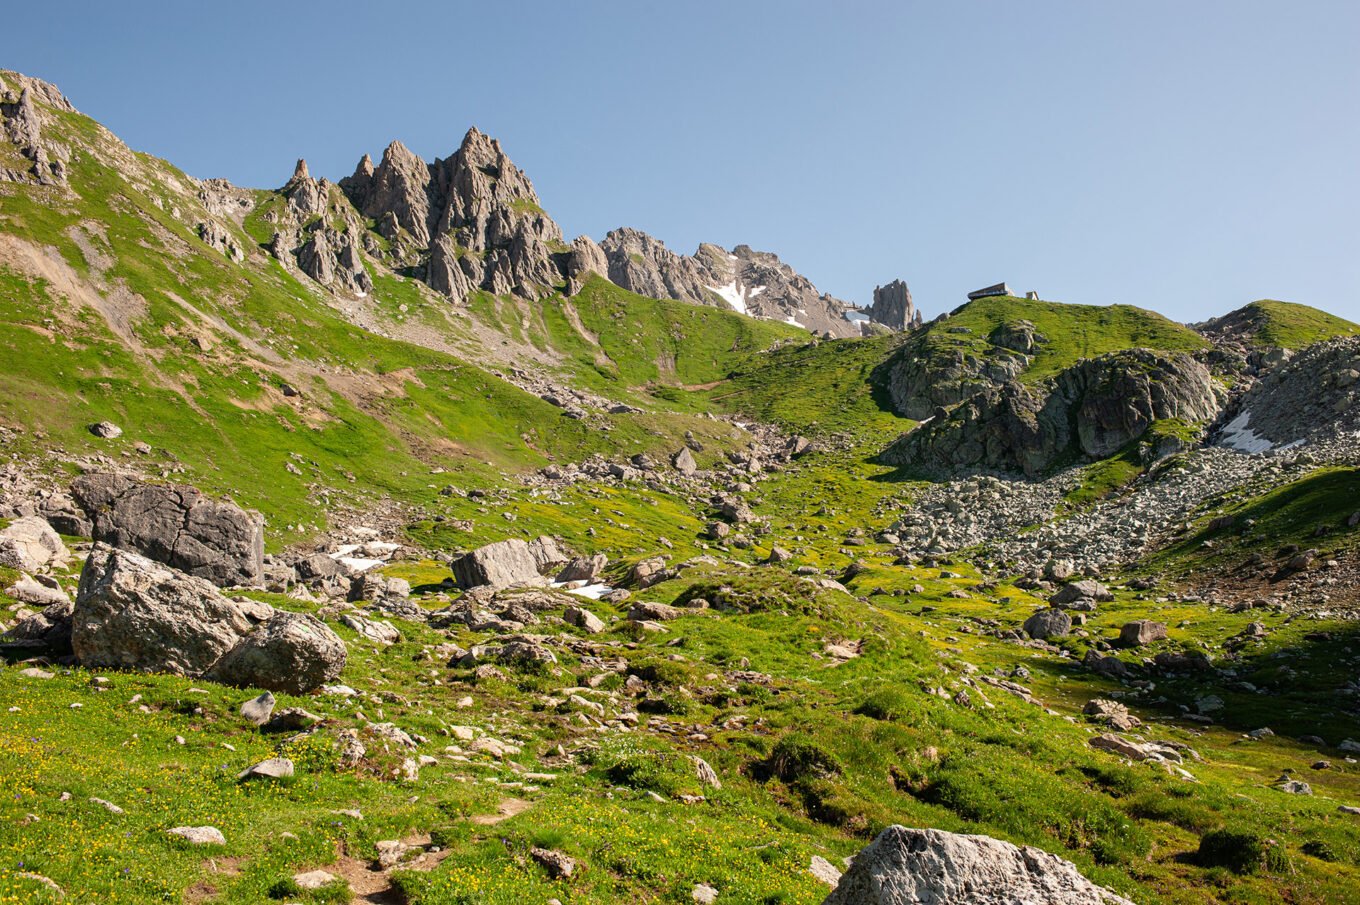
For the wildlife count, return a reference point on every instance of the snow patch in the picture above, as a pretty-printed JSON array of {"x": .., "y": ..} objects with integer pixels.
[
  {"x": 593, "y": 591},
  {"x": 755, "y": 291},
  {"x": 1237, "y": 435},
  {"x": 357, "y": 564},
  {"x": 732, "y": 295},
  {"x": 856, "y": 317}
]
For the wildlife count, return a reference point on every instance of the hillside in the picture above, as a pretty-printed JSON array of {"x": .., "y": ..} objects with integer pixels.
[
  {"x": 1268, "y": 323},
  {"x": 1001, "y": 338},
  {"x": 557, "y": 592}
]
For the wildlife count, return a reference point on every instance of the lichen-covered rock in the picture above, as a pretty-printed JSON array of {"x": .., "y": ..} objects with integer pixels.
[
  {"x": 1092, "y": 409},
  {"x": 508, "y": 563},
  {"x": 292, "y": 652},
  {"x": 29, "y": 544},
  {"x": 1051, "y": 623},
  {"x": 931, "y": 867},
  {"x": 137, "y": 614}
]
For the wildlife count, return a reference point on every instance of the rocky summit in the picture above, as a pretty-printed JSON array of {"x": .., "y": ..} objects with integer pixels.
[{"x": 369, "y": 540}]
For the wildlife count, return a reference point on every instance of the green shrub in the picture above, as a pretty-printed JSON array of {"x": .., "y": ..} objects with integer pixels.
[
  {"x": 1316, "y": 848},
  {"x": 886, "y": 704},
  {"x": 798, "y": 757},
  {"x": 1241, "y": 851}
]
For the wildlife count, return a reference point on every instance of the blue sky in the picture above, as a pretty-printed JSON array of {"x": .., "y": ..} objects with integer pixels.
[{"x": 1187, "y": 156}]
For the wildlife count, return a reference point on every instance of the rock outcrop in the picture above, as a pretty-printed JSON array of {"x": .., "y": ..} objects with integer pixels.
[
  {"x": 319, "y": 234},
  {"x": 21, "y": 124},
  {"x": 475, "y": 214},
  {"x": 176, "y": 525},
  {"x": 893, "y": 307},
  {"x": 931, "y": 867},
  {"x": 508, "y": 563},
  {"x": 136, "y": 614},
  {"x": 743, "y": 279},
  {"x": 1092, "y": 409}
]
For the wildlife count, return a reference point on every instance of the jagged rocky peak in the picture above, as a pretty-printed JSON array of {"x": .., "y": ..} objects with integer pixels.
[
  {"x": 318, "y": 233},
  {"x": 893, "y": 307},
  {"x": 21, "y": 124},
  {"x": 743, "y": 279},
  {"x": 474, "y": 213},
  {"x": 642, "y": 264}
]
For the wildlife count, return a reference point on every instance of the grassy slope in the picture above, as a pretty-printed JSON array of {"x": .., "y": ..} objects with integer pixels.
[
  {"x": 376, "y": 417},
  {"x": 861, "y": 744},
  {"x": 1293, "y": 326},
  {"x": 1073, "y": 332}
]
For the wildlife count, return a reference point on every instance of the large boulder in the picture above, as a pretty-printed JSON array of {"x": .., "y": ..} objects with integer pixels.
[
  {"x": 1085, "y": 589},
  {"x": 1142, "y": 631},
  {"x": 137, "y": 614},
  {"x": 508, "y": 563},
  {"x": 1051, "y": 623},
  {"x": 292, "y": 652},
  {"x": 931, "y": 867},
  {"x": 29, "y": 544},
  {"x": 176, "y": 525}
]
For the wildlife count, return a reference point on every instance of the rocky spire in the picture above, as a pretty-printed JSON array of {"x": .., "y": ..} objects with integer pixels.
[
  {"x": 475, "y": 213},
  {"x": 893, "y": 307},
  {"x": 22, "y": 126}
]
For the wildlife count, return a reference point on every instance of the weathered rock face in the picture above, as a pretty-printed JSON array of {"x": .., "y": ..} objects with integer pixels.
[
  {"x": 176, "y": 525},
  {"x": 743, "y": 279},
  {"x": 291, "y": 652},
  {"x": 29, "y": 544},
  {"x": 136, "y": 614},
  {"x": 505, "y": 564},
  {"x": 931, "y": 867},
  {"x": 642, "y": 264},
  {"x": 920, "y": 381},
  {"x": 307, "y": 235},
  {"x": 1092, "y": 409},
  {"x": 133, "y": 613},
  {"x": 21, "y": 124},
  {"x": 1311, "y": 395},
  {"x": 893, "y": 307},
  {"x": 475, "y": 212}
]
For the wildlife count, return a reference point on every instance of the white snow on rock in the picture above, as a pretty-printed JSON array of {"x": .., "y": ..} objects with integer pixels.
[
  {"x": 357, "y": 564},
  {"x": 732, "y": 295},
  {"x": 593, "y": 591},
  {"x": 1238, "y": 436},
  {"x": 856, "y": 317}
]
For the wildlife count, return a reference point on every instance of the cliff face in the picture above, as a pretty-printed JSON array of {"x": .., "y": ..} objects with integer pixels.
[
  {"x": 742, "y": 279},
  {"x": 475, "y": 213},
  {"x": 893, "y": 307},
  {"x": 1092, "y": 410}
]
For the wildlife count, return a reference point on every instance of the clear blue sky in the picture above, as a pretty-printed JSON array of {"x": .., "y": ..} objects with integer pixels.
[{"x": 1188, "y": 156}]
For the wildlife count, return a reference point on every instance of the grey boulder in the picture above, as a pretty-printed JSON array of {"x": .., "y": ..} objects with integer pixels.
[
  {"x": 1052, "y": 623},
  {"x": 176, "y": 525},
  {"x": 136, "y": 614},
  {"x": 29, "y": 544},
  {"x": 507, "y": 563},
  {"x": 931, "y": 867},
  {"x": 291, "y": 652},
  {"x": 1142, "y": 631}
]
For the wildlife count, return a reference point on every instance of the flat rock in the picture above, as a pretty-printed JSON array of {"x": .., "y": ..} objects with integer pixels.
[
  {"x": 199, "y": 835},
  {"x": 273, "y": 768}
]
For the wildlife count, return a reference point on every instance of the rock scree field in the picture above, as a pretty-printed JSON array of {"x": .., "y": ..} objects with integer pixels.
[{"x": 370, "y": 542}]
